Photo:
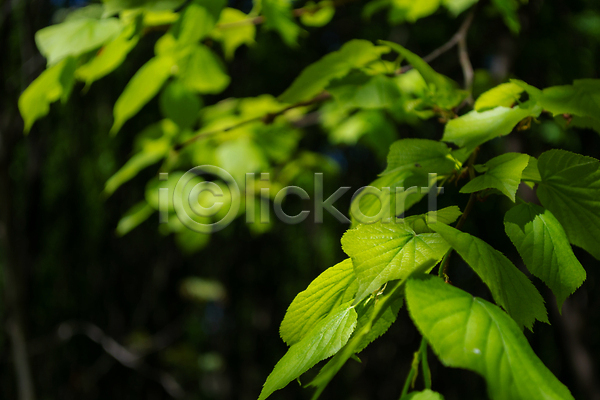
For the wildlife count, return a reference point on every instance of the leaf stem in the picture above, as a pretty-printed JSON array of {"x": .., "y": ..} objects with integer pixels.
[
  {"x": 414, "y": 369},
  {"x": 425, "y": 363}
]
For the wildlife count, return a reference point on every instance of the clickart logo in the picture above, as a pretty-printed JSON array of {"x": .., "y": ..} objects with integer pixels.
[{"x": 208, "y": 198}]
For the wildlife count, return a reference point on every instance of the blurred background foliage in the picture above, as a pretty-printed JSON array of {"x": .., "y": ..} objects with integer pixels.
[{"x": 113, "y": 312}]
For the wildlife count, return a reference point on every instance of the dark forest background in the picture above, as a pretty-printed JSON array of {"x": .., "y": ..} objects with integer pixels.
[{"x": 107, "y": 317}]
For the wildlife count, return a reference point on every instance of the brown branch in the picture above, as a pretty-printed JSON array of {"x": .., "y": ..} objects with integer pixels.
[
  {"x": 267, "y": 119},
  {"x": 459, "y": 36}
]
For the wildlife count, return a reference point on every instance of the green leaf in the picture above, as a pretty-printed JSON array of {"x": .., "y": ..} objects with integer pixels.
[
  {"x": 54, "y": 83},
  {"x": 545, "y": 249},
  {"x": 581, "y": 99},
  {"x": 202, "y": 71},
  {"x": 75, "y": 37},
  {"x": 180, "y": 104},
  {"x": 154, "y": 143},
  {"x": 411, "y": 11},
  {"x": 430, "y": 155},
  {"x": 419, "y": 222},
  {"x": 109, "y": 57},
  {"x": 508, "y": 9},
  {"x": 320, "y": 15},
  {"x": 372, "y": 323},
  {"x": 325, "y": 340},
  {"x": 335, "y": 286},
  {"x": 401, "y": 197},
  {"x": 471, "y": 333},
  {"x": 458, "y": 6},
  {"x": 531, "y": 172},
  {"x": 445, "y": 91},
  {"x": 510, "y": 288},
  {"x": 314, "y": 78},
  {"x": 570, "y": 189},
  {"x": 144, "y": 85},
  {"x": 503, "y": 173},
  {"x": 410, "y": 161},
  {"x": 112, "y": 7},
  {"x": 475, "y": 128},
  {"x": 278, "y": 16},
  {"x": 384, "y": 252},
  {"x": 504, "y": 95},
  {"x": 424, "y": 395},
  {"x": 363, "y": 91},
  {"x": 194, "y": 24},
  {"x": 132, "y": 218},
  {"x": 234, "y": 36}
]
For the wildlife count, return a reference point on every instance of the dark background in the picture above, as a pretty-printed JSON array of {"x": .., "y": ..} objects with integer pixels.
[{"x": 88, "y": 300}]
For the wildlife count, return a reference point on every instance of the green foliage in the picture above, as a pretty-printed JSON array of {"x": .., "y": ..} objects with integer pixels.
[
  {"x": 475, "y": 128},
  {"x": 54, "y": 83},
  {"x": 570, "y": 189},
  {"x": 468, "y": 332},
  {"x": 509, "y": 286},
  {"x": 75, "y": 37},
  {"x": 323, "y": 341},
  {"x": 316, "y": 77},
  {"x": 384, "y": 252},
  {"x": 335, "y": 286},
  {"x": 356, "y": 94},
  {"x": 502, "y": 173},
  {"x": 544, "y": 247}
]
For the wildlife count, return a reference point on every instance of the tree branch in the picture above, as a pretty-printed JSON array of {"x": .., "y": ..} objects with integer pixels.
[
  {"x": 459, "y": 36},
  {"x": 267, "y": 119}
]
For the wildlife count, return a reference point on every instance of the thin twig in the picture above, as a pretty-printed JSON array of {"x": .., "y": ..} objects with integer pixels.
[
  {"x": 459, "y": 36},
  {"x": 267, "y": 119}
]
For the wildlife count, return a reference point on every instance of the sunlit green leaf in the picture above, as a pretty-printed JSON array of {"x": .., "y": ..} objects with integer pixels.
[
  {"x": 504, "y": 95},
  {"x": 202, "y": 71},
  {"x": 54, "y": 83},
  {"x": 109, "y": 57},
  {"x": 475, "y": 128},
  {"x": 384, "y": 252},
  {"x": 112, "y": 7},
  {"x": 194, "y": 24},
  {"x": 582, "y": 98},
  {"x": 445, "y": 91},
  {"x": 333, "y": 287},
  {"x": 153, "y": 145},
  {"x": 471, "y": 333},
  {"x": 510, "y": 288},
  {"x": 314, "y": 78},
  {"x": 363, "y": 91},
  {"x": 278, "y": 16},
  {"x": 458, "y": 6},
  {"x": 424, "y": 395},
  {"x": 323, "y": 341},
  {"x": 135, "y": 216},
  {"x": 502, "y": 173},
  {"x": 233, "y": 35},
  {"x": 75, "y": 37},
  {"x": 319, "y": 16},
  {"x": 144, "y": 85},
  {"x": 545, "y": 249},
  {"x": 570, "y": 189}
]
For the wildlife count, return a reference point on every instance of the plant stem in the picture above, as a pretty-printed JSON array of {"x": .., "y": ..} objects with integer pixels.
[
  {"x": 425, "y": 364},
  {"x": 419, "y": 356},
  {"x": 459, "y": 36}
]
